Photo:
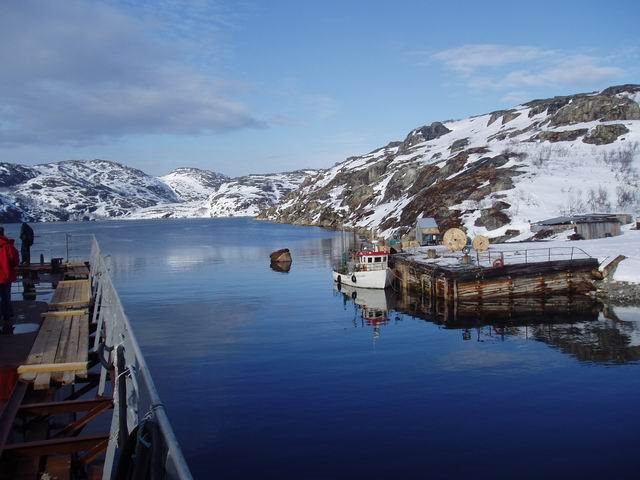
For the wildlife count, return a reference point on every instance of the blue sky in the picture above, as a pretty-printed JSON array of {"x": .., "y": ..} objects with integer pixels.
[{"x": 264, "y": 86}]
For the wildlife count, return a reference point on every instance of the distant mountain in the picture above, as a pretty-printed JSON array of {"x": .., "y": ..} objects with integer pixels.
[
  {"x": 249, "y": 195},
  {"x": 490, "y": 173},
  {"x": 76, "y": 190},
  {"x": 99, "y": 189},
  {"x": 191, "y": 184}
]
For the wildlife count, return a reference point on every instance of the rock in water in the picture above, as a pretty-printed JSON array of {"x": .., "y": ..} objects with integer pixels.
[
  {"x": 281, "y": 260},
  {"x": 281, "y": 256}
]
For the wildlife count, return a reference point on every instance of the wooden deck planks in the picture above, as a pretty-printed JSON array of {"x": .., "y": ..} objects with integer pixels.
[
  {"x": 83, "y": 345},
  {"x": 76, "y": 272},
  {"x": 49, "y": 354},
  {"x": 72, "y": 356},
  {"x": 60, "y": 351},
  {"x": 63, "y": 346},
  {"x": 71, "y": 294}
]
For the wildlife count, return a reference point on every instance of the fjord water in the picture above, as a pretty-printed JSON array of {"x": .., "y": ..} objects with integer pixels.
[{"x": 277, "y": 375}]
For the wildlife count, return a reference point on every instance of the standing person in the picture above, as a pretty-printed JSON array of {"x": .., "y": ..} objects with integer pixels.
[
  {"x": 8, "y": 262},
  {"x": 26, "y": 236}
]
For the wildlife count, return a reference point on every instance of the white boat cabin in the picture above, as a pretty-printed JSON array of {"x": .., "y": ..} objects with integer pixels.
[{"x": 372, "y": 260}]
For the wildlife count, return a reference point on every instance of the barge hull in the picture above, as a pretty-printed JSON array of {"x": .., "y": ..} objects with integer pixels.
[{"x": 543, "y": 279}]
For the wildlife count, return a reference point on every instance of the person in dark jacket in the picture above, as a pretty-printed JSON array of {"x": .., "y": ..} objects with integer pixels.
[
  {"x": 8, "y": 262},
  {"x": 26, "y": 236}
]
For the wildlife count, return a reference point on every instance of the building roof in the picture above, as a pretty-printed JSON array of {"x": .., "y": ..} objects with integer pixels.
[
  {"x": 583, "y": 218},
  {"x": 556, "y": 221},
  {"x": 426, "y": 223},
  {"x": 367, "y": 253},
  {"x": 596, "y": 218}
]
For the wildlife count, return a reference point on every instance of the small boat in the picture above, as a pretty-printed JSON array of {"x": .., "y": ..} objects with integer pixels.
[{"x": 367, "y": 269}]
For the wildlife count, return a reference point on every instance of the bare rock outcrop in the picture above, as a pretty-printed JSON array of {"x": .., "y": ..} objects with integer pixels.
[
  {"x": 605, "y": 134},
  {"x": 596, "y": 107},
  {"x": 424, "y": 134}
]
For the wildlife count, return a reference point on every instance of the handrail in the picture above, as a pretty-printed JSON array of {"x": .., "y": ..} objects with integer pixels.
[
  {"x": 141, "y": 400},
  {"x": 531, "y": 255}
]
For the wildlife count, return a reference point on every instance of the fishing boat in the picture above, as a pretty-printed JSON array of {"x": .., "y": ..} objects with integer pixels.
[{"x": 366, "y": 269}]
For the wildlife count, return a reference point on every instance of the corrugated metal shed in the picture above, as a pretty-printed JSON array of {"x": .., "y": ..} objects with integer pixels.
[{"x": 587, "y": 226}]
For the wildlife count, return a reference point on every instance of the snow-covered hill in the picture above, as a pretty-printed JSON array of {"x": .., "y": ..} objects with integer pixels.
[
  {"x": 491, "y": 173},
  {"x": 249, "y": 195},
  {"x": 76, "y": 190},
  {"x": 96, "y": 189},
  {"x": 191, "y": 184},
  {"x": 235, "y": 197}
]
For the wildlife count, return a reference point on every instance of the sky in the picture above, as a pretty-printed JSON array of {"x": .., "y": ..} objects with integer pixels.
[{"x": 243, "y": 87}]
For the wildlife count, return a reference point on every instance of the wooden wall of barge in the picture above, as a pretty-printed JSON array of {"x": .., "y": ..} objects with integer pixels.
[{"x": 539, "y": 282}]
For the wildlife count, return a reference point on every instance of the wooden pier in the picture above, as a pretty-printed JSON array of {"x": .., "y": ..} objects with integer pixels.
[
  {"x": 75, "y": 393},
  {"x": 474, "y": 282}
]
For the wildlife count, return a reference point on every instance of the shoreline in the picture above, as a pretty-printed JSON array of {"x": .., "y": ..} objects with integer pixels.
[{"x": 618, "y": 293}]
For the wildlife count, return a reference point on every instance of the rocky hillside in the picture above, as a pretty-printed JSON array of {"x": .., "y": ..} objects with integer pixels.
[
  {"x": 191, "y": 184},
  {"x": 250, "y": 195},
  {"x": 76, "y": 190},
  {"x": 98, "y": 189},
  {"x": 491, "y": 173},
  {"x": 208, "y": 196}
]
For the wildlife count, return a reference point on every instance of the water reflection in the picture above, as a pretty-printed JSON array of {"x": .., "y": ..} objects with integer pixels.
[
  {"x": 577, "y": 326},
  {"x": 372, "y": 307},
  {"x": 281, "y": 267}
]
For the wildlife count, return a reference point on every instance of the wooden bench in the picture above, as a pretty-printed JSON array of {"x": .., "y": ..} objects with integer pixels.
[
  {"x": 71, "y": 294},
  {"x": 60, "y": 351}
]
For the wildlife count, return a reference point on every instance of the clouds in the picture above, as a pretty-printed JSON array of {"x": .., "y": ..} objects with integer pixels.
[
  {"x": 468, "y": 58},
  {"x": 578, "y": 70},
  {"x": 82, "y": 72},
  {"x": 515, "y": 68}
]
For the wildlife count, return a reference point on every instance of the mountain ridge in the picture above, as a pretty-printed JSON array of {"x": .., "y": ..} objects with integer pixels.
[
  {"x": 104, "y": 189},
  {"x": 489, "y": 173}
]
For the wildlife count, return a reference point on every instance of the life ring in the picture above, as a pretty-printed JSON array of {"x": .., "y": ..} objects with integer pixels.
[
  {"x": 498, "y": 263},
  {"x": 354, "y": 279}
]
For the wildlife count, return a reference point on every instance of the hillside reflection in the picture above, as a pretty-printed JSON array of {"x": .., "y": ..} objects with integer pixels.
[{"x": 577, "y": 326}]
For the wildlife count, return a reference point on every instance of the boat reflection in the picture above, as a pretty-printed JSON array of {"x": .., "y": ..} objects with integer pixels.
[
  {"x": 372, "y": 306},
  {"x": 577, "y": 326}
]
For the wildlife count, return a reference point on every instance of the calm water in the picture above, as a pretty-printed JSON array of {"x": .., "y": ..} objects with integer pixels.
[{"x": 269, "y": 374}]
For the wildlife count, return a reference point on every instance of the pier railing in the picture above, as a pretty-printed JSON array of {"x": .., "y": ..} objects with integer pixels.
[
  {"x": 139, "y": 415},
  {"x": 493, "y": 257}
]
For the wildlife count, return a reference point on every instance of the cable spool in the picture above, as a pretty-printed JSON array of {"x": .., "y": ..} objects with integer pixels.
[
  {"x": 454, "y": 239},
  {"x": 481, "y": 243}
]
